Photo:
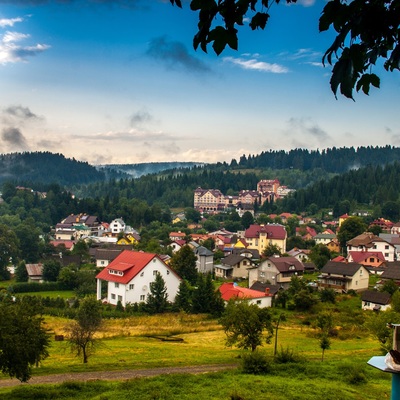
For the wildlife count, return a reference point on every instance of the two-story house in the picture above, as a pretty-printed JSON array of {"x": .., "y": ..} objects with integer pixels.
[
  {"x": 234, "y": 266},
  {"x": 130, "y": 275},
  {"x": 277, "y": 271},
  {"x": 260, "y": 236},
  {"x": 367, "y": 241},
  {"x": 342, "y": 277}
]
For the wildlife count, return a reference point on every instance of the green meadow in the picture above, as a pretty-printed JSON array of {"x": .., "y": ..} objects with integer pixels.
[{"x": 125, "y": 344}]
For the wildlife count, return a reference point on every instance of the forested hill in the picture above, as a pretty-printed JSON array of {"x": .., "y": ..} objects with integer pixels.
[
  {"x": 45, "y": 167},
  {"x": 334, "y": 160},
  {"x": 138, "y": 170},
  {"x": 371, "y": 186}
]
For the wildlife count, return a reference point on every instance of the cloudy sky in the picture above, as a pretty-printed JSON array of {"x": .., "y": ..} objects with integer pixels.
[{"x": 119, "y": 82}]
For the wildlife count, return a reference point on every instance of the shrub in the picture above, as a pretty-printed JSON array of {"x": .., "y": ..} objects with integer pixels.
[
  {"x": 285, "y": 356},
  {"x": 354, "y": 373},
  {"x": 256, "y": 363}
]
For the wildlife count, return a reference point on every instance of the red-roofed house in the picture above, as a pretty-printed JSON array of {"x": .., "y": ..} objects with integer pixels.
[
  {"x": 130, "y": 275},
  {"x": 366, "y": 258},
  {"x": 260, "y": 236},
  {"x": 231, "y": 291}
]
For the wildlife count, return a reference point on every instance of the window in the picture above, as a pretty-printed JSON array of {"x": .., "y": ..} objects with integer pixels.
[
  {"x": 386, "y": 254},
  {"x": 119, "y": 298},
  {"x": 142, "y": 273},
  {"x": 116, "y": 285},
  {"x": 155, "y": 272},
  {"x": 113, "y": 296},
  {"x": 367, "y": 303},
  {"x": 371, "y": 259},
  {"x": 131, "y": 286},
  {"x": 258, "y": 301},
  {"x": 142, "y": 297},
  {"x": 387, "y": 247},
  {"x": 262, "y": 274},
  {"x": 361, "y": 272},
  {"x": 167, "y": 272}
]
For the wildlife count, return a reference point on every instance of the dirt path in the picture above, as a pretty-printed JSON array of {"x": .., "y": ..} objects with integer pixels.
[{"x": 116, "y": 375}]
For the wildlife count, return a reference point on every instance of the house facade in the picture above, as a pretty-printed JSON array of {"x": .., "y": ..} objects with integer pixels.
[
  {"x": 205, "y": 260},
  {"x": 367, "y": 241},
  {"x": 342, "y": 277},
  {"x": 277, "y": 271},
  {"x": 130, "y": 275},
  {"x": 260, "y": 236},
  {"x": 236, "y": 266}
]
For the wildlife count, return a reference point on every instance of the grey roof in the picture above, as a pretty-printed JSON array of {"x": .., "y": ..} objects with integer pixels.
[
  {"x": 255, "y": 254},
  {"x": 273, "y": 289},
  {"x": 203, "y": 251},
  {"x": 340, "y": 268},
  {"x": 107, "y": 254},
  {"x": 233, "y": 259},
  {"x": 373, "y": 296},
  {"x": 392, "y": 271}
]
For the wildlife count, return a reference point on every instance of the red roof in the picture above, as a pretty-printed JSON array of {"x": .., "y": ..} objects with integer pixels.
[
  {"x": 359, "y": 256},
  {"x": 339, "y": 259},
  {"x": 230, "y": 290},
  {"x": 130, "y": 263},
  {"x": 273, "y": 231}
]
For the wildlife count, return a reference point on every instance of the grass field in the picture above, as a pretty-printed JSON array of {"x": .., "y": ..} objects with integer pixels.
[{"x": 343, "y": 374}]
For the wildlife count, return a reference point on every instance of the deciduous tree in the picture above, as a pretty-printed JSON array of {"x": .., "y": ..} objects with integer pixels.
[
  {"x": 24, "y": 341},
  {"x": 246, "y": 325},
  {"x": 367, "y": 31},
  {"x": 81, "y": 332},
  {"x": 184, "y": 263}
]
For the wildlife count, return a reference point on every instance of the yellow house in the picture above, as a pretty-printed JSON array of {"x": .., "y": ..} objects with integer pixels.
[
  {"x": 260, "y": 236},
  {"x": 129, "y": 239}
]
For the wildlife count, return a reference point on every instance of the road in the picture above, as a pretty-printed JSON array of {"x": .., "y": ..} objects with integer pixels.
[{"x": 116, "y": 375}]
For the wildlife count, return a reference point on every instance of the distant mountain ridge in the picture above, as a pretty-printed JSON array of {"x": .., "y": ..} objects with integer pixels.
[{"x": 138, "y": 170}]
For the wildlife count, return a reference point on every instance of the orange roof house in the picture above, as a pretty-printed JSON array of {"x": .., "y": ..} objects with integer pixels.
[{"x": 231, "y": 291}]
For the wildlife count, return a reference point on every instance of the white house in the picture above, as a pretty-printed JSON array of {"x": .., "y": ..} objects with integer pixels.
[
  {"x": 130, "y": 275},
  {"x": 117, "y": 225},
  {"x": 374, "y": 300},
  {"x": 370, "y": 242}
]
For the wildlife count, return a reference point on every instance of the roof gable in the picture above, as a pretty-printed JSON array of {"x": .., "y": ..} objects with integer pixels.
[{"x": 127, "y": 265}]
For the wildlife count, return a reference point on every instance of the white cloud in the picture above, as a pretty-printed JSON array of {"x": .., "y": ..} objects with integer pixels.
[
  {"x": 255, "y": 65},
  {"x": 11, "y": 52},
  {"x": 10, "y": 37},
  {"x": 9, "y": 22}
]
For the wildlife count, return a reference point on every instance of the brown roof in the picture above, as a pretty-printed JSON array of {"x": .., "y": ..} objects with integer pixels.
[
  {"x": 373, "y": 296},
  {"x": 284, "y": 264},
  {"x": 34, "y": 269},
  {"x": 340, "y": 268},
  {"x": 392, "y": 271},
  {"x": 233, "y": 259}
]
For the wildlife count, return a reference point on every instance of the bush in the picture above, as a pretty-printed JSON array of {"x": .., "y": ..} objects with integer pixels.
[
  {"x": 256, "y": 363},
  {"x": 354, "y": 373},
  {"x": 35, "y": 287},
  {"x": 285, "y": 356}
]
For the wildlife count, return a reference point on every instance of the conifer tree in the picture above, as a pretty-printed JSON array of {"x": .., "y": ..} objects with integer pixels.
[{"x": 157, "y": 300}]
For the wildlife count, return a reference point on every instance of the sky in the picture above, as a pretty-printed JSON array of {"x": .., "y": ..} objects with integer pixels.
[{"x": 119, "y": 82}]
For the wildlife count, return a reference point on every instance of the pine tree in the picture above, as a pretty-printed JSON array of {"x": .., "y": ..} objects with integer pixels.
[
  {"x": 183, "y": 299},
  {"x": 157, "y": 300}
]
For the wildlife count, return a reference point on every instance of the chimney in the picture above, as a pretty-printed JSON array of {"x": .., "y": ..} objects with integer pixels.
[{"x": 267, "y": 291}]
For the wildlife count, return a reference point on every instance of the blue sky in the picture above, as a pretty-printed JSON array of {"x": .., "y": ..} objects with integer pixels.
[{"x": 119, "y": 82}]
